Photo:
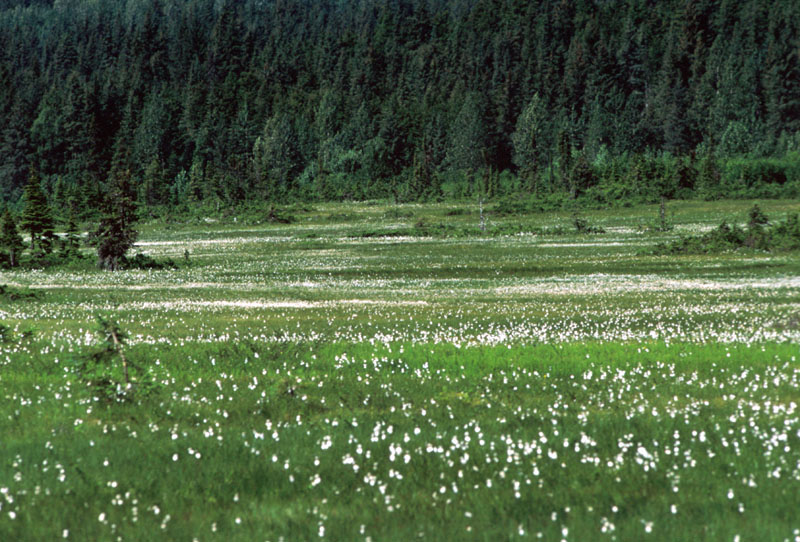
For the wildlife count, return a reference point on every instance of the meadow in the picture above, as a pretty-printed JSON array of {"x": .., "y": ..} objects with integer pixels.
[{"x": 380, "y": 372}]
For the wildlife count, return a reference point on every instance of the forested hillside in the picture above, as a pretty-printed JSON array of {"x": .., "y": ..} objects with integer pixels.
[{"x": 218, "y": 103}]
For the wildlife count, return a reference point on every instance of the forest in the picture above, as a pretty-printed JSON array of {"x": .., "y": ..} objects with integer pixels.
[{"x": 215, "y": 104}]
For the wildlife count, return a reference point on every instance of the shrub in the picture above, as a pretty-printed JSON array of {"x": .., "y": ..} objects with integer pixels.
[
  {"x": 759, "y": 235},
  {"x": 147, "y": 262},
  {"x": 582, "y": 225},
  {"x": 107, "y": 370},
  {"x": 12, "y": 293}
]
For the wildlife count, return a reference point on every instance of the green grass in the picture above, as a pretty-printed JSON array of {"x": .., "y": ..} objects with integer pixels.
[{"x": 475, "y": 388}]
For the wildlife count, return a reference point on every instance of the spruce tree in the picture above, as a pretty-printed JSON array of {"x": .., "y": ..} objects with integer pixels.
[
  {"x": 467, "y": 148},
  {"x": 37, "y": 219},
  {"x": 71, "y": 242},
  {"x": 529, "y": 143},
  {"x": 116, "y": 232},
  {"x": 10, "y": 240}
]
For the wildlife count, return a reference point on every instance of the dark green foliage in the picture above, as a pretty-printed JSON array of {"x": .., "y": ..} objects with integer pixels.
[
  {"x": 763, "y": 178},
  {"x": 144, "y": 261},
  {"x": 37, "y": 219},
  {"x": 13, "y": 293},
  {"x": 786, "y": 234},
  {"x": 581, "y": 176},
  {"x": 116, "y": 232},
  {"x": 219, "y": 103},
  {"x": 759, "y": 235},
  {"x": 757, "y": 218},
  {"x": 530, "y": 147},
  {"x": 11, "y": 243},
  {"x": 722, "y": 239},
  {"x": 582, "y": 226},
  {"x": 279, "y": 216},
  {"x": 70, "y": 242}
]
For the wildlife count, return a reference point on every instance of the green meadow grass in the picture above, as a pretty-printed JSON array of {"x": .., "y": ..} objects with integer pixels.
[{"x": 312, "y": 383}]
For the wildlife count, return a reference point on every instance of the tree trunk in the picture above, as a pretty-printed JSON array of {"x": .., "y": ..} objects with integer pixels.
[{"x": 118, "y": 346}]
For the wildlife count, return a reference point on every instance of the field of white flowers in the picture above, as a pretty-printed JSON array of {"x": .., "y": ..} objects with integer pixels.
[{"x": 313, "y": 381}]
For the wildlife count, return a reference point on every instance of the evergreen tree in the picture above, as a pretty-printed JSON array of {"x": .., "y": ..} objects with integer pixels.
[
  {"x": 11, "y": 243},
  {"x": 581, "y": 176},
  {"x": 195, "y": 182},
  {"x": 565, "y": 146},
  {"x": 116, "y": 232},
  {"x": 71, "y": 242},
  {"x": 276, "y": 157},
  {"x": 529, "y": 144},
  {"x": 708, "y": 176},
  {"x": 37, "y": 219},
  {"x": 467, "y": 148},
  {"x": 153, "y": 190},
  {"x": 422, "y": 176}
]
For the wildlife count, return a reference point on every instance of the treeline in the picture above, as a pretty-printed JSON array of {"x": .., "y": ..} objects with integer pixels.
[{"x": 219, "y": 103}]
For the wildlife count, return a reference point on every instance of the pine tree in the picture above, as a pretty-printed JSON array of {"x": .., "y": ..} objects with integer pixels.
[
  {"x": 529, "y": 144},
  {"x": 10, "y": 240},
  {"x": 37, "y": 219},
  {"x": 564, "y": 155},
  {"x": 71, "y": 242},
  {"x": 194, "y": 189},
  {"x": 708, "y": 176},
  {"x": 154, "y": 186},
  {"x": 581, "y": 176},
  {"x": 467, "y": 148},
  {"x": 116, "y": 232}
]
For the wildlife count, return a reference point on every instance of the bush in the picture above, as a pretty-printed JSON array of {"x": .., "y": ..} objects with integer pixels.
[
  {"x": 770, "y": 178},
  {"x": 582, "y": 225},
  {"x": 12, "y": 293},
  {"x": 146, "y": 262},
  {"x": 784, "y": 236},
  {"x": 722, "y": 239},
  {"x": 509, "y": 205},
  {"x": 280, "y": 217}
]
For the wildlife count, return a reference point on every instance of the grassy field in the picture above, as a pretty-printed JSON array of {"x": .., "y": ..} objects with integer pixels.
[{"x": 381, "y": 372}]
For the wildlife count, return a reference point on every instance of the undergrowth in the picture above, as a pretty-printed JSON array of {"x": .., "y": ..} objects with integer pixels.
[{"x": 759, "y": 234}]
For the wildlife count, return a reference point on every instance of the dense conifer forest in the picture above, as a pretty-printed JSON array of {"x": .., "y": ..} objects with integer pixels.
[{"x": 214, "y": 104}]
